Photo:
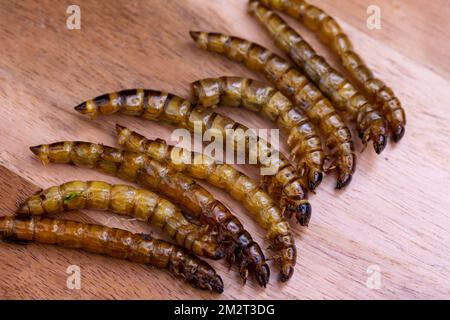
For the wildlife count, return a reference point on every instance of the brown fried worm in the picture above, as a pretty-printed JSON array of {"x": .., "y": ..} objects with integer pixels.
[
  {"x": 112, "y": 242},
  {"x": 303, "y": 140},
  {"x": 287, "y": 187},
  {"x": 369, "y": 122},
  {"x": 223, "y": 176},
  {"x": 296, "y": 86},
  {"x": 179, "y": 188},
  {"x": 330, "y": 32},
  {"x": 125, "y": 200}
]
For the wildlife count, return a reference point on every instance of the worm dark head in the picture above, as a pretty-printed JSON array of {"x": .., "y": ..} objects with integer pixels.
[
  {"x": 286, "y": 257},
  {"x": 253, "y": 260},
  {"x": 262, "y": 275},
  {"x": 216, "y": 284},
  {"x": 315, "y": 178},
  {"x": 343, "y": 180},
  {"x": 380, "y": 143},
  {"x": 258, "y": 264},
  {"x": 286, "y": 273},
  {"x": 377, "y": 132},
  {"x": 303, "y": 214},
  {"x": 398, "y": 132}
]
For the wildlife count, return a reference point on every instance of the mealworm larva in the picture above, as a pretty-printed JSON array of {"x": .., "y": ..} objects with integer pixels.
[
  {"x": 126, "y": 200},
  {"x": 293, "y": 84},
  {"x": 286, "y": 186},
  {"x": 179, "y": 188},
  {"x": 112, "y": 242},
  {"x": 303, "y": 140},
  {"x": 223, "y": 176},
  {"x": 370, "y": 123},
  {"x": 330, "y": 32}
]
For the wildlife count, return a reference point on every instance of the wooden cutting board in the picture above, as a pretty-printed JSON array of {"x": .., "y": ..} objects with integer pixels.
[{"x": 393, "y": 218}]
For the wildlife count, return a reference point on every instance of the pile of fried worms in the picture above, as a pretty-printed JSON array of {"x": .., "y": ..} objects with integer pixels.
[{"x": 307, "y": 99}]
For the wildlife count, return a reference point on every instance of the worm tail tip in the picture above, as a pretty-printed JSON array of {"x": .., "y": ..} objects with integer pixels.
[
  {"x": 195, "y": 35},
  {"x": 119, "y": 128},
  {"x": 35, "y": 149},
  {"x": 82, "y": 108}
]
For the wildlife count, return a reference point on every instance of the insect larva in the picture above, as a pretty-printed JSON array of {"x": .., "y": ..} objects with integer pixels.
[
  {"x": 126, "y": 200},
  {"x": 303, "y": 140},
  {"x": 179, "y": 188},
  {"x": 113, "y": 242},
  {"x": 223, "y": 176},
  {"x": 330, "y": 32},
  {"x": 369, "y": 122},
  {"x": 293, "y": 84},
  {"x": 286, "y": 186}
]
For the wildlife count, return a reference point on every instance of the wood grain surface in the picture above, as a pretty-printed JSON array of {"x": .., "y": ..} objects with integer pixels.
[{"x": 393, "y": 216}]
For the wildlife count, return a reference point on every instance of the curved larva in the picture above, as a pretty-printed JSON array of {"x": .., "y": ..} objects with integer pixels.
[
  {"x": 179, "y": 188},
  {"x": 127, "y": 200},
  {"x": 303, "y": 140},
  {"x": 224, "y": 176},
  {"x": 369, "y": 122},
  {"x": 115, "y": 243},
  {"x": 296, "y": 86},
  {"x": 287, "y": 187},
  {"x": 330, "y": 32}
]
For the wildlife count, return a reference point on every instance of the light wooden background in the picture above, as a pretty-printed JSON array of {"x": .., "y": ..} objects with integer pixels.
[{"x": 394, "y": 215}]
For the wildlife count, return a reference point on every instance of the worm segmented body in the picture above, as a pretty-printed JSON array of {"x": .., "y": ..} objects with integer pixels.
[
  {"x": 115, "y": 243},
  {"x": 286, "y": 186},
  {"x": 224, "y": 176},
  {"x": 330, "y": 32},
  {"x": 177, "y": 187},
  {"x": 255, "y": 96},
  {"x": 370, "y": 123},
  {"x": 126, "y": 200},
  {"x": 293, "y": 84}
]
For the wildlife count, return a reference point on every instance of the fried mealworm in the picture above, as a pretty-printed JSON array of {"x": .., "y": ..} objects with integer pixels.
[
  {"x": 224, "y": 176},
  {"x": 113, "y": 242},
  {"x": 287, "y": 187},
  {"x": 303, "y": 140},
  {"x": 330, "y": 32},
  {"x": 179, "y": 188},
  {"x": 370, "y": 124},
  {"x": 296, "y": 86},
  {"x": 126, "y": 200}
]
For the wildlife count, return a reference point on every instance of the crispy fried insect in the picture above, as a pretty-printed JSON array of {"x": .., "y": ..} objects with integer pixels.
[
  {"x": 179, "y": 188},
  {"x": 303, "y": 140},
  {"x": 223, "y": 176},
  {"x": 286, "y": 186},
  {"x": 284, "y": 183},
  {"x": 113, "y": 242},
  {"x": 126, "y": 200},
  {"x": 293, "y": 84},
  {"x": 330, "y": 32},
  {"x": 370, "y": 123}
]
